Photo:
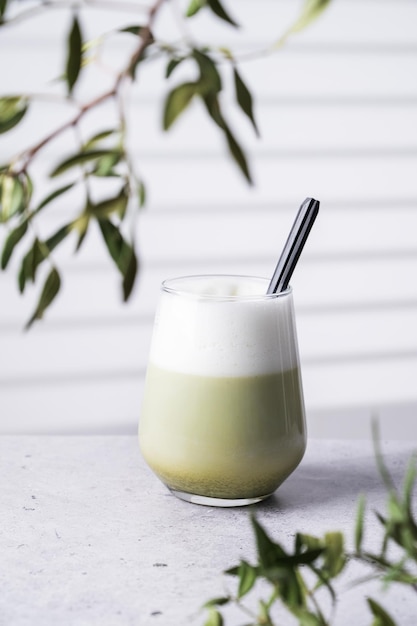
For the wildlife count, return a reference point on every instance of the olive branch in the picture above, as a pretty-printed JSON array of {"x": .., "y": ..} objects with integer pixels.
[{"x": 105, "y": 154}]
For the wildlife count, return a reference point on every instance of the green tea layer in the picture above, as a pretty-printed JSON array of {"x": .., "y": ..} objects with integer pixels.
[{"x": 222, "y": 437}]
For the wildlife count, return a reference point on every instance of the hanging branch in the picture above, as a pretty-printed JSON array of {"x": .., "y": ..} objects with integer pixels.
[{"x": 105, "y": 154}]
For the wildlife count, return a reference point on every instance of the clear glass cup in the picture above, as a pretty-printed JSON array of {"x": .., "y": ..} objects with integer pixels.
[{"x": 222, "y": 420}]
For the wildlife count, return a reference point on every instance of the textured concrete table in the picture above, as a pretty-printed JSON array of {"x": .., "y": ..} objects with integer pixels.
[{"x": 89, "y": 536}]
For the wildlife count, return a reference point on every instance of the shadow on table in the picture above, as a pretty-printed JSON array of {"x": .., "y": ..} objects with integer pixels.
[{"x": 316, "y": 481}]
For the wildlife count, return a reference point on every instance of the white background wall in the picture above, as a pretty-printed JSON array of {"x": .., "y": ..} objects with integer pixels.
[{"x": 337, "y": 109}]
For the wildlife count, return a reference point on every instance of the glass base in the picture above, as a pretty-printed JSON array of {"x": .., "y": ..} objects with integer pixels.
[{"x": 220, "y": 502}]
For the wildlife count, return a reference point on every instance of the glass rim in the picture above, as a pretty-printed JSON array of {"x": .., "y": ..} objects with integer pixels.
[{"x": 167, "y": 288}]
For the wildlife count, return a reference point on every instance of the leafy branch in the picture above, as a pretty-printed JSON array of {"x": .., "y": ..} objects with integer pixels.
[
  {"x": 105, "y": 154},
  {"x": 295, "y": 577}
]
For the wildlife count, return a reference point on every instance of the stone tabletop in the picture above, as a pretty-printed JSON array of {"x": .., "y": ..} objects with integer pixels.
[{"x": 88, "y": 535}]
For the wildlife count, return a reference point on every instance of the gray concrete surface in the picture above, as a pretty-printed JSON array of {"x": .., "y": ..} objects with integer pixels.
[{"x": 88, "y": 536}]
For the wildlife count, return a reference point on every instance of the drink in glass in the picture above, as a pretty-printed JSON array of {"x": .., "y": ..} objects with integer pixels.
[{"x": 222, "y": 420}]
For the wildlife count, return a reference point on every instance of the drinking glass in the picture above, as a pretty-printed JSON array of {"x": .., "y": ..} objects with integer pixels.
[{"x": 222, "y": 420}]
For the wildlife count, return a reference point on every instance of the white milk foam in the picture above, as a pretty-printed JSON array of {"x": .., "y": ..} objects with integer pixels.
[{"x": 226, "y": 327}]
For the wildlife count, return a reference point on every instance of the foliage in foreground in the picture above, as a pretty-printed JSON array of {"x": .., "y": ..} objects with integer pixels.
[
  {"x": 295, "y": 577},
  {"x": 102, "y": 159}
]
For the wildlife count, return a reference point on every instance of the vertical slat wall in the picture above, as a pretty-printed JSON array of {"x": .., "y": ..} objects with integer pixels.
[{"x": 337, "y": 110}]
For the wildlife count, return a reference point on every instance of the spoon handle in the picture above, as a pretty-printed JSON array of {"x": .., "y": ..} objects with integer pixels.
[{"x": 300, "y": 230}]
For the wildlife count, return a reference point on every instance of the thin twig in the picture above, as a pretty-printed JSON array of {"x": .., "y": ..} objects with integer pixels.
[
  {"x": 28, "y": 154},
  {"x": 146, "y": 39},
  {"x": 44, "y": 6}
]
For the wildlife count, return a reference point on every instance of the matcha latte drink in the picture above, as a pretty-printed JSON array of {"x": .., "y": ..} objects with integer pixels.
[{"x": 222, "y": 421}]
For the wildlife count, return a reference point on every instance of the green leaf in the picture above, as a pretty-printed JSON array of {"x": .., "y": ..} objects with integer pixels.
[
  {"x": 129, "y": 274},
  {"x": 114, "y": 242},
  {"x": 397, "y": 573},
  {"x": 382, "y": 468},
  {"x": 3, "y": 6},
  {"x": 381, "y": 616},
  {"x": 147, "y": 40},
  {"x": 360, "y": 513},
  {"x": 216, "y": 602},
  {"x": 268, "y": 551},
  {"x": 218, "y": 10},
  {"x": 408, "y": 487},
  {"x": 13, "y": 197},
  {"x": 334, "y": 556},
  {"x": 215, "y": 6},
  {"x": 238, "y": 154},
  {"x": 95, "y": 139},
  {"x": 52, "y": 242},
  {"x": 172, "y": 65},
  {"x": 244, "y": 99},
  {"x": 323, "y": 579},
  {"x": 37, "y": 254},
  {"x": 306, "y": 618},
  {"x": 194, "y": 7},
  {"x": 141, "y": 194},
  {"x": 395, "y": 509},
  {"x": 12, "y": 111},
  {"x": 247, "y": 578},
  {"x": 179, "y": 98},
  {"x": 80, "y": 225},
  {"x": 105, "y": 165},
  {"x": 28, "y": 187},
  {"x": 122, "y": 253},
  {"x": 381, "y": 518},
  {"x": 81, "y": 158},
  {"x": 213, "y": 107},
  {"x": 74, "y": 57},
  {"x": 407, "y": 540},
  {"x": 302, "y": 558},
  {"x": 49, "y": 292},
  {"x": 264, "y": 616},
  {"x": 177, "y": 101},
  {"x": 210, "y": 81},
  {"x": 133, "y": 30},
  {"x": 293, "y": 591},
  {"x": 309, "y": 12},
  {"x": 21, "y": 278},
  {"x": 308, "y": 541},
  {"x": 55, "y": 194},
  {"x": 409, "y": 482},
  {"x": 288, "y": 583},
  {"x": 30, "y": 263},
  {"x": 11, "y": 242},
  {"x": 107, "y": 207},
  {"x": 214, "y": 618}
]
